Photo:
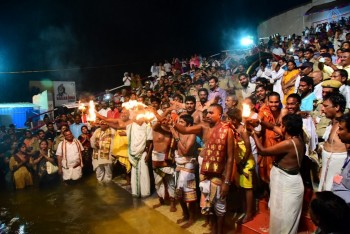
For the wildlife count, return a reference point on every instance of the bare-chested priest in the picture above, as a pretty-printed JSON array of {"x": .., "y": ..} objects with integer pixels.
[
  {"x": 334, "y": 151},
  {"x": 217, "y": 164}
]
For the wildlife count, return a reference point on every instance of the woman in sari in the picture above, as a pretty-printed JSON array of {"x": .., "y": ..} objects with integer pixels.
[
  {"x": 45, "y": 164},
  {"x": 288, "y": 80},
  {"x": 84, "y": 139},
  {"x": 18, "y": 166}
]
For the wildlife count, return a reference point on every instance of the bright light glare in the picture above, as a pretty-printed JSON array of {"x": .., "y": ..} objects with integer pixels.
[{"x": 247, "y": 41}]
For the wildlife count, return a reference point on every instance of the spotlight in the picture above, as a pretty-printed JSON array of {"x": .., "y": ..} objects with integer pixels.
[{"x": 247, "y": 41}]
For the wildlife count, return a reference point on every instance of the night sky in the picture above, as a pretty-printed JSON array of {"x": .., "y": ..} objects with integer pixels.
[{"x": 41, "y": 35}]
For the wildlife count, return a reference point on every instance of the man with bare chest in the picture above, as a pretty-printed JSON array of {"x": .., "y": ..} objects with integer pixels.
[
  {"x": 334, "y": 150},
  {"x": 185, "y": 171},
  {"x": 217, "y": 164},
  {"x": 162, "y": 162}
]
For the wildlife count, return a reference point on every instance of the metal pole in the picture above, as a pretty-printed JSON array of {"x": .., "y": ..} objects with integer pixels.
[{"x": 109, "y": 90}]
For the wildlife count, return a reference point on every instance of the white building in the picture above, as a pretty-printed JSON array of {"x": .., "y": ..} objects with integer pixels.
[{"x": 306, "y": 15}]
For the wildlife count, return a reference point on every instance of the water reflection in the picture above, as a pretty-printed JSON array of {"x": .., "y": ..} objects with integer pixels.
[{"x": 86, "y": 207}]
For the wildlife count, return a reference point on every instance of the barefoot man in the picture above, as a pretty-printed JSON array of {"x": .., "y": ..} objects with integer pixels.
[
  {"x": 185, "y": 174},
  {"x": 217, "y": 164},
  {"x": 163, "y": 170}
]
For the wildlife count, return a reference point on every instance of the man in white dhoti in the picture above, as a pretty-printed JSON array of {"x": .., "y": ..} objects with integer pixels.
[
  {"x": 162, "y": 162},
  {"x": 69, "y": 157},
  {"x": 140, "y": 139},
  {"x": 185, "y": 176},
  {"x": 101, "y": 142},
  {"x": 334, "y": 150},
  {"x": 286, "y": 185}
]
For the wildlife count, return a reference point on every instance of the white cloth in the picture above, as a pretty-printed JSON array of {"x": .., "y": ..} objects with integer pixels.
[
  {"x": 345, "y": 91},
  {"x": 72, "y": 153},
  {"x": 103, "y": 112},
  {"x": 140, "y": 181},
  {"x": 318, "y": 91},
  {"x": 246, "y": 92},
  {"x": 218, "y": 204},
  {"x": 331, "y": 165},
  {"x": 104, "y": 172},
  {"x": 138, "y": 136},
  {"x": 167, "y": 175},
  {"x": 72, "y": 159},
  {"x": 296, "y": 86},
  {"x": 278, "y": 51},
  {"x": 72, "y": 173},
  {"x": 267, "y": 73},
  {"x": 127, "y": 80},
  {"x": 167, "y": 67},
  {"x": 276, "y": 79},
  {"x": 285, "y": 202}
]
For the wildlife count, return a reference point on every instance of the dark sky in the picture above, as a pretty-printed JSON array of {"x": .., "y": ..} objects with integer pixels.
[{"x": 39, "y": 35}]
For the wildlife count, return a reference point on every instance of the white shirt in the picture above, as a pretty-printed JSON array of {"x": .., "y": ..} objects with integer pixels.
[
  {"x": 104, "y": 112},
  {"x": 318, "y": 91},
  {"x": 126, "y": 80},
  {"x": 345, "y": 91},
  {"x": 278, "y": 51},
  {"x": 246, "y": 92},
  {"x": 72, "y": 153},
  {"x": 267, "y": 73},
  {"x": 167, "y": 67}
]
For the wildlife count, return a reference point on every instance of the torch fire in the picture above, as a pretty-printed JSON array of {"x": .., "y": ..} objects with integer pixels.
[
  {"x": 91, "y": 116},
  {"x": 140, "y": 109},
  {"x": 246, "y": 110}
]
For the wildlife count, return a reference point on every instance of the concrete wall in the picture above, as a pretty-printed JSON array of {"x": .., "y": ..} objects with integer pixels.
[{"x": 286, "y": 23}]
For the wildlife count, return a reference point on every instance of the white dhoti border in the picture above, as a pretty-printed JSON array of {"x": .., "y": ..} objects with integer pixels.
[
  {"x": 140, "y": 181},
  {"x": 286, "y": 200},
  {"x": 331, "y": 165}
]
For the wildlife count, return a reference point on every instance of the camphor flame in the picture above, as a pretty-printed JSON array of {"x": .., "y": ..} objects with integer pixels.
[
  {"x": 91, "y": 116},
  {"x": 132, "y": 104},
  {"x": 81, "y": 106},
  {"x": 246, "y": 110}
]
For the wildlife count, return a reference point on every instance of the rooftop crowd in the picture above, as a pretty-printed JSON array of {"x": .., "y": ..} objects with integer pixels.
[{"x": 281, "y": 132}]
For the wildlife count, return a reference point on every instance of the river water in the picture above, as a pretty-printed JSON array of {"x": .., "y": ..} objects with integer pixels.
[{"x": 86, "y": 207}]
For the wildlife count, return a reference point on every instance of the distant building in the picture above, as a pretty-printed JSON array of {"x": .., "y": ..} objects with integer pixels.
[{"x": 310, "y": 14}]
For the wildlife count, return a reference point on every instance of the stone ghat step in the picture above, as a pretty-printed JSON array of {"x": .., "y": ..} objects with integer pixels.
[{"x": 260, "y": 223}]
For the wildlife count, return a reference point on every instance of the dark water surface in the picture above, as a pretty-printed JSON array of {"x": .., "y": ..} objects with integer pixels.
[{"x": 86, "y": 207}]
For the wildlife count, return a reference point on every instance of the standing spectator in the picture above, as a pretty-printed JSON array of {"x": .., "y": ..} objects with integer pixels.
[
  {"x": 307, "y": 96},
  {"x": 247, "y": 87},
  {"x": 104, "y": 105},
  {"x": 84, "y": 139},
  {"x": 334, "y": 151},
  {"x": 75, "y": 128},
  {"x": 69, "y": 156},
  {"x": 113, "y": 112},
  {"x": 216, "y": 92},
  {"x": 127, "y": 80},
  {"x": 19, "y": 164}
]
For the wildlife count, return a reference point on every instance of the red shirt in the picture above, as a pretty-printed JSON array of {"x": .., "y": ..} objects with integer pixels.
[{"x": 113, "y": 114}]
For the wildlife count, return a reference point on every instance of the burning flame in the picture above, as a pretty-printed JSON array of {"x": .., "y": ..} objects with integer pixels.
[
  {"x": 147, "y": 116},
  {"x": 132, "y": 104},
  {"x": 91, "y": 116},
  {"x": 81, "y": 106},
  {"x": 246, "y": 110}
]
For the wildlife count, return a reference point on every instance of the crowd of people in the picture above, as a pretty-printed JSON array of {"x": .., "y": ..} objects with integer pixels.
[{"x": 281, "y": 132}]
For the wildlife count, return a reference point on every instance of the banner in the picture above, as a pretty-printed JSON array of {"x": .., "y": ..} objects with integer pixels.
[{"x": 64, "y": 92}]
